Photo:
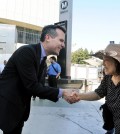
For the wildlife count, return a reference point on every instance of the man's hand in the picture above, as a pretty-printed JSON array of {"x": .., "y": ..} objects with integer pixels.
[{"x": 71, "y": 96}]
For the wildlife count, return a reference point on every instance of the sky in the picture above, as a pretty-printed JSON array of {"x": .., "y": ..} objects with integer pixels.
[{"x": 95, "y": 23}]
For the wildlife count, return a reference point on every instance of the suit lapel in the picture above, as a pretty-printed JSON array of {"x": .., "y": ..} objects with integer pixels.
[
  {"x": 43, "y": 63},
  {"x": 38, "y": 56},
  {"x": 41, "y": 68},
  {"x": 38, "y": 53}
]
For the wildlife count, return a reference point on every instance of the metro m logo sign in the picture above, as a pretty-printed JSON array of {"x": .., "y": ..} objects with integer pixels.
[{"x": 64, "y": 5}]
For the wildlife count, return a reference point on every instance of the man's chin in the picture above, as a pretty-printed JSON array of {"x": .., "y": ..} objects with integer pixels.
[{"x": 56, "y": 53}]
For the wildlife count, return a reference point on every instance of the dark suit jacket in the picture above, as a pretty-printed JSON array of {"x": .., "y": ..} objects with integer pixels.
[{"x": 18, "y": 82}]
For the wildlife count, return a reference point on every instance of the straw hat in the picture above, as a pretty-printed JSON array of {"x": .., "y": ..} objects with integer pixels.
[{"x": 112, "y": 50}]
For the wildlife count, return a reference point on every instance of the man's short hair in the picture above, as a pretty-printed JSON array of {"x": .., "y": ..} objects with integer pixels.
[{"x": 51, "y": 30}]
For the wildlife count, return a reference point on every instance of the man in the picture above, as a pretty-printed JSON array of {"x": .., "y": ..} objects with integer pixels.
[
  {"x": 53, "y": 72},
  {"x": 21, "y": 79}
]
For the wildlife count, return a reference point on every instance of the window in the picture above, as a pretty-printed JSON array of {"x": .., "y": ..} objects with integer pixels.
[{"x": 27, "y": 36}]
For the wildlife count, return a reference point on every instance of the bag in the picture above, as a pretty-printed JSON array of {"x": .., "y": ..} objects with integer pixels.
[{"x": 107, "y": 117}]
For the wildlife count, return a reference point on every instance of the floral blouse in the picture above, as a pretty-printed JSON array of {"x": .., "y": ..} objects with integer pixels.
[{"x": 112, "y": 93}]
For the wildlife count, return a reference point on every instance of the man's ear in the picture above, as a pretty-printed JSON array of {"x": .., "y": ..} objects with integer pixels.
[{"x": 47, "y": 37}]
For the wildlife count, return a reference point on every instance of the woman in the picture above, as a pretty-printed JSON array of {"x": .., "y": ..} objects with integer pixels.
[{"x": 110, "y": 85}]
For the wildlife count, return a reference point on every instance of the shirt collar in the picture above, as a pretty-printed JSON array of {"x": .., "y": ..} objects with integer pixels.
[{"x": 43, "y": 53}]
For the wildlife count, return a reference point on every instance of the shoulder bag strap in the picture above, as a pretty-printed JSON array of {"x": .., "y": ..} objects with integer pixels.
[{"x": 54, "y": 69}]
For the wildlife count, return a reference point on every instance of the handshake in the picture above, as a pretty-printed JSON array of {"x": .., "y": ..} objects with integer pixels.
[{"x": 71, "y": 96}]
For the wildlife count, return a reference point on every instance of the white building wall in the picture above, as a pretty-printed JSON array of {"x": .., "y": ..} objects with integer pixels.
[
  {"x": 7, "y": 38},
  {"x": 84, "y": 72},
  {"x": 7, "y": 41},
  {"x": 36, "y": 12}
]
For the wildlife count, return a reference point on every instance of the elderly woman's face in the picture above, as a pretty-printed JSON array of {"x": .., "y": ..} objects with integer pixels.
[{"x": 109, "y": 65}]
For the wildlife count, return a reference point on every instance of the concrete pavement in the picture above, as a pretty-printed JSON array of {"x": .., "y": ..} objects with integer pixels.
[{"x": 63, "y": 118}]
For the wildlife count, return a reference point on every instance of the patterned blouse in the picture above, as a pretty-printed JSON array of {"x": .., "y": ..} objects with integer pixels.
[{"x": 112, "y": 93}]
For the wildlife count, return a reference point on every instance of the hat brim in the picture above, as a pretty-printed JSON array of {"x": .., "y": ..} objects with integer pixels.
[{"x": 98, "y": 54}]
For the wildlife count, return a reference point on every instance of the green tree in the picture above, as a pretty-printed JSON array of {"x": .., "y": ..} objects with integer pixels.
[
  {"x": 86, "y": 54},
  {"x": 91, "y": 52},
  {"x": 79, "y": 55}
]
